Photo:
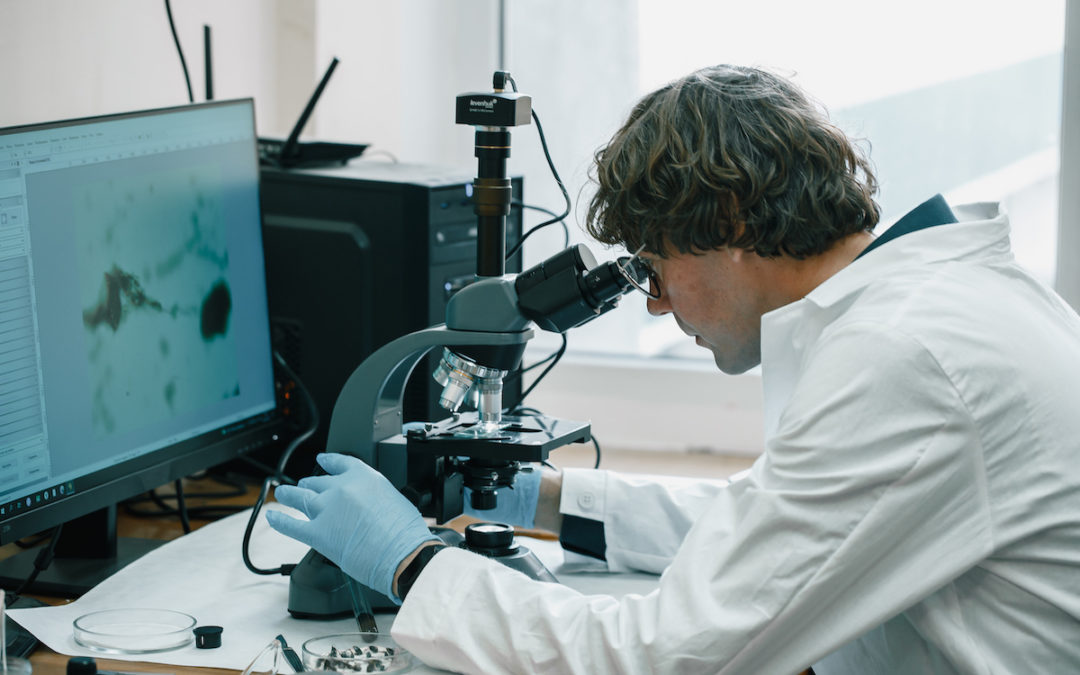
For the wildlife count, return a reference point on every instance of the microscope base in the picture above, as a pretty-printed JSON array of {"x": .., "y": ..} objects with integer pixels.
[{"x": 317, "y": 589}]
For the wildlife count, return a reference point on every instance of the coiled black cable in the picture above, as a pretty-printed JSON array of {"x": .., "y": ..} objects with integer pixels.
[{"x": 279, "y": 477}]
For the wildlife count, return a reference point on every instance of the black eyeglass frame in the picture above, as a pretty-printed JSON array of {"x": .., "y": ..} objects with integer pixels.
[{"x": 626, "y": 262}]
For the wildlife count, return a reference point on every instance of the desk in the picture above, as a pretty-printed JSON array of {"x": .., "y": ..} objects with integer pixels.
[
  {"x": 47, "y": 661},
  {"x": 218, "y": 547},
  {"x": 202, "y": 574}
]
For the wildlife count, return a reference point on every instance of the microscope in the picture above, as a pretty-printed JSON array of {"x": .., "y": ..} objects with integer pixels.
[{"x": 488, "y": 324}]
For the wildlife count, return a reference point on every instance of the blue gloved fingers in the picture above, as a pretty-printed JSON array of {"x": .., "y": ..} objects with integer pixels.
[
  {"x": 358, "y": 520},
  {"x": 299, "y": 498},
  {"x": 335, "y": 463},
  {"x": 317, "y": 483},
  {"x": 289, "y": 526}
]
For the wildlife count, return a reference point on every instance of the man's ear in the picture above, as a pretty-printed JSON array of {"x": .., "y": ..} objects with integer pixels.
[{"x": 735, "y": 253}]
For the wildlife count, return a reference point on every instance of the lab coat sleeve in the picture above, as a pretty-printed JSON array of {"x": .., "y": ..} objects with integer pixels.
[
  {"x": 645, "y": 518},
  {"x": 871, "y": 496}
]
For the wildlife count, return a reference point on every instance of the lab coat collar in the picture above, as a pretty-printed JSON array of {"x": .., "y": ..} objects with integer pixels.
[{"x": 981, "y": 233}]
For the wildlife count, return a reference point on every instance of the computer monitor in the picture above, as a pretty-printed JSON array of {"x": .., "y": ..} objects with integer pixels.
[{"x": 134, "y": 331}]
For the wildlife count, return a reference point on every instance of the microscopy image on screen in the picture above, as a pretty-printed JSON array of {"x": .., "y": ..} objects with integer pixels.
[{"x": 156, "y": 302}]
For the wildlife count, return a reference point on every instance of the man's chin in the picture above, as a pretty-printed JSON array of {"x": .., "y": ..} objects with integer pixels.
[{"x": 732, "y": 366}]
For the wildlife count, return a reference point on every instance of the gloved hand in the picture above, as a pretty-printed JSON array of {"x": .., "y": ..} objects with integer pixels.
[
  {"x": 515, "y": 507},
  {"x": 357, "y": 519}
]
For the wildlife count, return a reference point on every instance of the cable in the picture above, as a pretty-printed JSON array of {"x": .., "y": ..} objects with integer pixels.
[
  {"x": 283, "y": 570},
  {"x": 556, "y": 219},
  {"x": 368, "y": 154},
  {"x": 313, "y": 417},
  {"x": 201, "y": 512},
  {"x": 33, "y": 541},
  {"x": 554, "y": 172},
  {"x": 279, "y": 476},
  {"x": 554, "y": 361},
  {"x": 534, "y": 366},
  {"x": 596, "y": 444},
  {"x": 181, "y": 506},
  {"x": 41, "y": 562},
  {"x": 517, "y": 408},
  {"x": 180, "y": 51},
  {"x": 238, "y": 490},
  {"x": 208, "y": 512},
  {"x": 558, "y": 180},
  {"x": 264, "y": 468}
]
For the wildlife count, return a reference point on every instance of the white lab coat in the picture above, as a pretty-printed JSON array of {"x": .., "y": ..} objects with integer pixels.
[{"x": 917, "y": 508}]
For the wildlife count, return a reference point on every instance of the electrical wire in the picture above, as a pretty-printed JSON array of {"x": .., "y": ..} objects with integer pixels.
[
  {"x": 181, "y": 506},
  {"x": 180, "y": 51},
  {"x": 237, "y": 485},
  {"x": 531, "y": 230},
  {"x": 200, "y": 512},
  {"x": 279, "y": 477},
  {"x": 33, "y": 541},
  {"x": 558, "y": 180},
  {"x": 554, "y": 172},
  {"x": 556, "y": 218},
  {"x": 553, "y": 355},
  {"x": 41, "y": 563},
  {"x": 554, "y": 361}
]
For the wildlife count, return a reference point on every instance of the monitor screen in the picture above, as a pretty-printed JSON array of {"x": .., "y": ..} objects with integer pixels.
[{"x": 134, "y": 332}]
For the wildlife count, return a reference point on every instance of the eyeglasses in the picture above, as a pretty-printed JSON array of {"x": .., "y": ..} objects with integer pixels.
[{"x": 632, "y": 267}]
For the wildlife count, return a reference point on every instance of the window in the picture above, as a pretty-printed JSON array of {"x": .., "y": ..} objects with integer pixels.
[{"x": 960, "y": 98}]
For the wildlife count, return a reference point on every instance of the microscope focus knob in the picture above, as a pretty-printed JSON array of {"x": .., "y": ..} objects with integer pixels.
[
  {"x": 483, "y": 500},
  {"x": 490, "y": 539}
]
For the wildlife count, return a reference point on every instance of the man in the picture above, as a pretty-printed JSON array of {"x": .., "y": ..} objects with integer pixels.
[{"x": 917, "y": 506}]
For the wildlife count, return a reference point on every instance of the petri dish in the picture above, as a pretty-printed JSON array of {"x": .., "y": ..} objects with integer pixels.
[
  {"x": 357, "y": 653},
  {"x": 134, "y": 631}
]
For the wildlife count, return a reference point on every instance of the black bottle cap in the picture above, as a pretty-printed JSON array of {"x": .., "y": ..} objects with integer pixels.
[
  {"x": 81, "y": 665},
  {"x": 207, "y": 637}
]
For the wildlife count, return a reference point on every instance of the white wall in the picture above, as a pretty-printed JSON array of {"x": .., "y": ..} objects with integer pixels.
[
  {"x": 401, "y": 66},
  {"x": 71, "y": 58}
]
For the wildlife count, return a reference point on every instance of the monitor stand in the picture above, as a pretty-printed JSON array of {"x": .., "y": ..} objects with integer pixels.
[{"x": 87, "y": 553}]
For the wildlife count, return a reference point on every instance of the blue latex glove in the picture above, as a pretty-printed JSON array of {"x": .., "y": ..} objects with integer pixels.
[
  {"x": 356, "y": 518},
  {"x": 515, "y": 507}
]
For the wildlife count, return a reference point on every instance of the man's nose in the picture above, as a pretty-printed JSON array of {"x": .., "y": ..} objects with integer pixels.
[{"x": 658, "y": 307}]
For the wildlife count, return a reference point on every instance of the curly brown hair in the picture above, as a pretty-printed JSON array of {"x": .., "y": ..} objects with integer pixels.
[{"x": 730, "y": 156}]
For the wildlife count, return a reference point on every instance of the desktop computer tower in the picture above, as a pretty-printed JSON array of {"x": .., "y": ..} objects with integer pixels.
[{"x": 358, "y": 255}]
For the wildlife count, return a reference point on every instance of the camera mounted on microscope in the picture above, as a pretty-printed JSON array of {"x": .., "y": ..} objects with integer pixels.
[{"x": 499, "y": 108}]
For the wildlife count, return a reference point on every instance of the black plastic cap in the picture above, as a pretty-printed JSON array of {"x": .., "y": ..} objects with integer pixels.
[
  {"x": 81, "y": 665},
  {"x": 207, "y": 637}
]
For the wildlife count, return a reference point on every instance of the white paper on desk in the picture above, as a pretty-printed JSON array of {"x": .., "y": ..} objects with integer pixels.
[{"x": 201, "y": 574}]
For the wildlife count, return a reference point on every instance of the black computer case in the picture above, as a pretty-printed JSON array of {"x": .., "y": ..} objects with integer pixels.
[{"x": 358, "y": 255}]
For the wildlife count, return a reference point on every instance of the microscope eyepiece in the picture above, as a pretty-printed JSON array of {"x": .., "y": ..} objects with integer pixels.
[{"x": 570, "y": 288}]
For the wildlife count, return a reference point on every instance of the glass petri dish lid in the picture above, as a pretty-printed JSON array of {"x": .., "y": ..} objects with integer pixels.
[{"x": 134, "y": 631}]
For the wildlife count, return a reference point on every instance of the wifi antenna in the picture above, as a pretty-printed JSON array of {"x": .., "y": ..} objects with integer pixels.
[
  {"x": 208, "y": 63},
  {"x": 289, "y": 148}
]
